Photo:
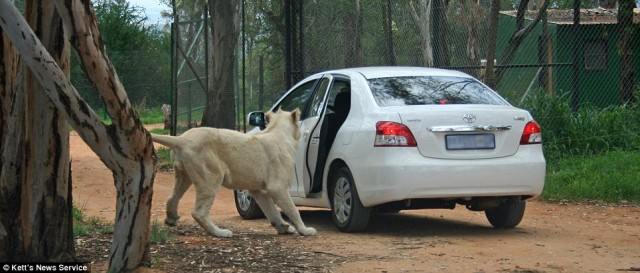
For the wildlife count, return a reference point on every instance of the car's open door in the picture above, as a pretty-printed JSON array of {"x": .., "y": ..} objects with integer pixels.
[{"x": 310, "y": 140}]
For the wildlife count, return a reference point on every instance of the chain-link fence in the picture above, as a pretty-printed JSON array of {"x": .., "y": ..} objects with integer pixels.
[
  {"x": 536, "y": 50},
  {"x": 189, "y": 72}
]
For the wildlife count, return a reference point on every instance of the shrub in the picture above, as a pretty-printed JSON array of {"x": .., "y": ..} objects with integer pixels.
[{"x": 589, "y": 131}]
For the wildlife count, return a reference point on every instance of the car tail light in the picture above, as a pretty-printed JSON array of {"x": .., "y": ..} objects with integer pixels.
[
  {"x": 393, "y": 134},
  {"x": 532, "y": 133}
]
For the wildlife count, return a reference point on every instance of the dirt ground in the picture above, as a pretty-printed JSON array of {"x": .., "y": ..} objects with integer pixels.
[{"x": 564, "y": 237}]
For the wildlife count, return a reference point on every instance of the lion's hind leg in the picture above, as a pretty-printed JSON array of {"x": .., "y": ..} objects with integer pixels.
[
  {"x": 181, "y": 184},
  {"x": 206, "y": 190}
]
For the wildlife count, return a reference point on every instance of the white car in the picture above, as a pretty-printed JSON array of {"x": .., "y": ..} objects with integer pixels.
[{"x": 398, "y": 138}]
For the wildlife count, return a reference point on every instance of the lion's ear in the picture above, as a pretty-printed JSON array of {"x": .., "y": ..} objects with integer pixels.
[{"x": 295, "y": 115}]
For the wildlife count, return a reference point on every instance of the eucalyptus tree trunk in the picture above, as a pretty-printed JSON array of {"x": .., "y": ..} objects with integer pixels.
[
  {"x": 220, "y": 110},
  {"x": 352, "y": 31},
  {"x": 422, "y": 18},
  {"x": 11, "y": 138},
  {"x": 42, "y": 184},
  {"x": 471, "y": 20},
  {"x": 517, "y": 37},
  {"x": 125, "y": 146},
  {"x": 489, "y": 74}
]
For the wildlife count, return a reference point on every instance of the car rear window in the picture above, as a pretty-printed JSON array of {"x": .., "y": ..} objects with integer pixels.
[{"x": 423, "y": 90}]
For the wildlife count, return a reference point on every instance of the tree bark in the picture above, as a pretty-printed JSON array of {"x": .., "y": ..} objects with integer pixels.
[
  {"x": 352, "y": 34},
  {"x": 220, "y": 110},
  {"x": 489, "y": 78},
  {"x": 521, "y": 32},
  {"x": 472, "y": 14},
  {"x": 625, "y": 45},
  {"x": 44, "y": 230},
  {"x": 440, "y": 32},
  {"x": 422, "y": 18},
  {"x": 11, "y": 136},
  {"x": 125, "y": 146},
  {"x": 390, "y": 53}
]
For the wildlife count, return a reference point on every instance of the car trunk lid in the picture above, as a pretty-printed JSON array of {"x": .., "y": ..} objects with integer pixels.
[{"x": 465, "y": 131}]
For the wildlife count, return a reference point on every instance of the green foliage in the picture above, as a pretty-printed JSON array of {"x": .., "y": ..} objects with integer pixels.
[
  {"x": 589, "y": 131},
  {"x": 140, "y": 53},
  {"x": 611, "y": 177},
  {"x": 149, "y": 114},
  {"x": 160, "y": 234},
  {"x": 164, "y": 159},
  {"x": 86, "y": 226},
  {"x": 159, "y": 131}
]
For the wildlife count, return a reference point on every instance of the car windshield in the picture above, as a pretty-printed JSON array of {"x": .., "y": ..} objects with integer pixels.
[{"x": 423, "y": 90}]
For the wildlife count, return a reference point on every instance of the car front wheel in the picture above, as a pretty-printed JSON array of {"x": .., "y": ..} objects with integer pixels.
[
  {"x": 508, "y": 214},
  {"x": 346, "y": 209},
  {"x": 246, "y": 206}
]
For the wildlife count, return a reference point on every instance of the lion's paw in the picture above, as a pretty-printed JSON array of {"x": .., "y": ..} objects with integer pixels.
[
  {"x": 225, "y": 233},
  {"x": 308, "y": 231}
]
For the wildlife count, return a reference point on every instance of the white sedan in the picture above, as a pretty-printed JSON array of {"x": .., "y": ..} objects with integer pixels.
[{"x": 398, "y": 138}]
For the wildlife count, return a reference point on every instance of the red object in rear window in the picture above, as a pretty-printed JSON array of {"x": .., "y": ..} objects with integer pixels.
[
  {"x": 393, "y": 134},
  {"x": 532, "y": 133}
]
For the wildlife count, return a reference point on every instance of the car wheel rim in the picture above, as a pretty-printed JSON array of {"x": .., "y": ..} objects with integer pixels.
[
  {"x": 244, "y": 199},
  {"x": 342, "y": 200}
]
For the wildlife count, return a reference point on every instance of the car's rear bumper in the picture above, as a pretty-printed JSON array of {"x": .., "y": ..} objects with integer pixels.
[{"x": 395, "y": 174}]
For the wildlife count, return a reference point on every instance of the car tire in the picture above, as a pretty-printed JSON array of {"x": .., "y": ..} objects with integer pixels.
[
  {"x": 506, "y": 215},
  {"x": 246, "y": 206},
  {"x": 346, "y": 209}
]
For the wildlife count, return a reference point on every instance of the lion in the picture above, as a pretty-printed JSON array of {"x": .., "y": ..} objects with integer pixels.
[{"x": 262, "y": 163}]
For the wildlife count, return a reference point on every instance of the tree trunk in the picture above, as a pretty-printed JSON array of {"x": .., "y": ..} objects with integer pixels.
[
  {"x": 220, "y": 110},
  {"x": 440, "y": 33},
  {"x": 472, "y": 16},
  {"x": 44, "y": 230},
  {"x": 422, "y": 18},
  {"x": 489, "y": 78},
  {"x": 627, "y": 73},
  {"x": 521, "y": 32},
  {"x": 390, "y": 53},
  {"x": 125, "y": 146},
  {"x": 11, "y": 138},
  {"x": 352, "y": 34}
]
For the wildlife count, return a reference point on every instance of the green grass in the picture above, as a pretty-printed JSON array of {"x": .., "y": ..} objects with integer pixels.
[
  {"x": 159, "y": 131},
  {"x": 83, "y": 226},
  {"x": 160, "y": 234},
  {"x": 612, "y": 177}
]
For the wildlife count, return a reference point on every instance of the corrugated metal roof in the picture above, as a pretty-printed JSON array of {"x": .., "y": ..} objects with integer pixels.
[{"x": 599, "y": 16}]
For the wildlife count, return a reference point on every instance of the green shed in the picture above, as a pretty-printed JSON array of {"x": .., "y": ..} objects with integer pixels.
[{"x": 599, "y": 67}]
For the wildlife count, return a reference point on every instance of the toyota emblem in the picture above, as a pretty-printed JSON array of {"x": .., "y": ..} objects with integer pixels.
[{"x": 469, "y": 118}]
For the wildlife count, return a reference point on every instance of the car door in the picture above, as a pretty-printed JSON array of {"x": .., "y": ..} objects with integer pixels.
[
  {"x": 310, "y": 140},
  {"x": 299, "y": 98}
]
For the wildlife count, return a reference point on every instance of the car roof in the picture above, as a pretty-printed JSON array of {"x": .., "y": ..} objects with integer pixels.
[{"x": 398, "y": 71}]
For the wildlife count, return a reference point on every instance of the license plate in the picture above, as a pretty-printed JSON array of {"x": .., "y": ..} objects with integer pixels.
[{"x": 470, "y": 142}]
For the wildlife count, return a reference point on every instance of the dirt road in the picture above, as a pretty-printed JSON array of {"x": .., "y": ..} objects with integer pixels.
[{"x": 551, "y": 238}]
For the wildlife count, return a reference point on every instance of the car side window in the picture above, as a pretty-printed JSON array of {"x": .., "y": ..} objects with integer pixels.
[
  {"x": 298, "y": 98},
  {"x": 338, "y": 86},
  {"x": 317, "y": 104}
]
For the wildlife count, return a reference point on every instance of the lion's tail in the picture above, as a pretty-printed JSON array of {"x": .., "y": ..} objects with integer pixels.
[{"x": 169, "y": 141}]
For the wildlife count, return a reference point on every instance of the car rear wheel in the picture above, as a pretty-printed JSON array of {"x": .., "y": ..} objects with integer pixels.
[
  {"x": 508, "y": 214},
  {"x": 346, "y": 209},
  {"x": 246, "y": 206}
]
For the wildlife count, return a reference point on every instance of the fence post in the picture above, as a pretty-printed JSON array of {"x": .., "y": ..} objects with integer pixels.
[{"x": 576, "y": 56}]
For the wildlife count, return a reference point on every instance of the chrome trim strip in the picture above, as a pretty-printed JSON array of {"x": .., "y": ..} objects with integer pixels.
[{"x": 468, "y": 128}]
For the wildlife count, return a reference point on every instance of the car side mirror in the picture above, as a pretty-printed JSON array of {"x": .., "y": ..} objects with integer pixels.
[{"x": 257, "y": 119}]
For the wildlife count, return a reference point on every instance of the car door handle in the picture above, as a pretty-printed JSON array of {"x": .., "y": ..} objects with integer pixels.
[{"x": 305, "y": 135}]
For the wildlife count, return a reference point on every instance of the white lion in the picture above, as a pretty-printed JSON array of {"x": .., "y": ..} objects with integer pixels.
[{"x": 261, "y": 163}]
